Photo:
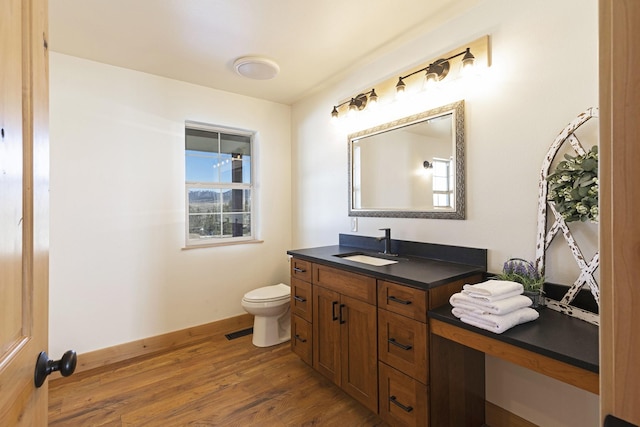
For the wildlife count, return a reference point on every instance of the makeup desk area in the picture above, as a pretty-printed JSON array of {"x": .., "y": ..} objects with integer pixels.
[{"x": 555, "y": 345}]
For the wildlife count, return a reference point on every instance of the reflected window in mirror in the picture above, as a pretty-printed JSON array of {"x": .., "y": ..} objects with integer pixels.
[{"x": 442, "y": 183}]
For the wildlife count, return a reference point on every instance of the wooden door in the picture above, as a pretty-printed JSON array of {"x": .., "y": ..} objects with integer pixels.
[
  {"x": 326, "y": 333},
  {"x": 24, "y": 209},
  {"x": 620, "y": 209},
  {"x": 359, "y": 343}
]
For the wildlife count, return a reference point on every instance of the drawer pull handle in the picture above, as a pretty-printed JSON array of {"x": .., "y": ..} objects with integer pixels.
[
  {"x": 398, "y": 300},
  {"x": 342, "y": 321},
  {"x": 393, "y": 400},
  {"x": 334, "y": 316},
  {"x": 300, "y": 339},
  {"x": 397, "y": 344},
  {"x": 299, "y": 270},
  {"x": 299, "y": 299}
]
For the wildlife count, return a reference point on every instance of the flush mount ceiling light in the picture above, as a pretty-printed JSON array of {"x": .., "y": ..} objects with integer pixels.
[{"x": 256, "y": 67}]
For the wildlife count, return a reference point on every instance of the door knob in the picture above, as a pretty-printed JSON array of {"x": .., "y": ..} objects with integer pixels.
[{"x": 45, "y": 366}]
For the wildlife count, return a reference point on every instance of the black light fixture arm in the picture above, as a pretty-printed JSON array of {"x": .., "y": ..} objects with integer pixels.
[
  {"x": 456, "y": 55},
  {"x": 416, "y": 72},
  {"x": 439, "y": 68},
  {"x": 358, "y": 102}
]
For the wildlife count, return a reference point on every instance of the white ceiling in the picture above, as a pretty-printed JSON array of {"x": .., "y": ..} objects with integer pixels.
[{"x": 315, "y": 42}]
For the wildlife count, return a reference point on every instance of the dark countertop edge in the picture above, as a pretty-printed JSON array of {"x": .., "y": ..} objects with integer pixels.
[
  {"x": 433, "y": 251},
  {"x": 331, "y": 261},
  {"x": 444, "y": 314}
]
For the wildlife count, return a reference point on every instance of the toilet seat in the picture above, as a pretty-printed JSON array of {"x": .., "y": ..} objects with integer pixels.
[{"x": 275, "y": 293}]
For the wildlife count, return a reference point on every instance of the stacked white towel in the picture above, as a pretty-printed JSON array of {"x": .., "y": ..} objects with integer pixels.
[
  {"x": 479, "y": 306},
  {"x": 494, "y": 305},
  {"x": 493, "y": 290}
]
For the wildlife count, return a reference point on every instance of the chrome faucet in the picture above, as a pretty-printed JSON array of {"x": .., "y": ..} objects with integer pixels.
[{"x": 387, "y": 240}]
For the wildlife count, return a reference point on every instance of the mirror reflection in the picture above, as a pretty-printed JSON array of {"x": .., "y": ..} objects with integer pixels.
[{"x": 412, "y": 167}]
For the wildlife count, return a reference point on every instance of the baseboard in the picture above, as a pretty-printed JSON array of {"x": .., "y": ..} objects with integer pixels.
[
  {"x": 495, "y": 416},
  {"x": 165, "y": 342}
]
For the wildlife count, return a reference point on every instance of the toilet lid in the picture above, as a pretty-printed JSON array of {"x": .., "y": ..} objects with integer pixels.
[{"x": 269, "y": 293}]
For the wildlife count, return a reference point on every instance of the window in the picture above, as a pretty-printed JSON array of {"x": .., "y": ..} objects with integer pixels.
[
  {"x": 442, "y": 184},
  {"x": 219, "y": 185}
]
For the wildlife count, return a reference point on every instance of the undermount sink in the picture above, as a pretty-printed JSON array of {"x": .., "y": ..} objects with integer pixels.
[{"x": 367, "y": 259}]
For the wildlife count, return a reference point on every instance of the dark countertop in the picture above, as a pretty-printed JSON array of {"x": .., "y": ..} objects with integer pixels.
[
  {"x": 417, "y": 272},
  {"x": 553, "y": 334}
]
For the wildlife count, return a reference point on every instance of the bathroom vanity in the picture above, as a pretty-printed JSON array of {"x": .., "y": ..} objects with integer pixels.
[{"x": 360, "y": 319}]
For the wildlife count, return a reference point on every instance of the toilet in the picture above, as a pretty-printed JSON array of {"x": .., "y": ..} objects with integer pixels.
[{"x": 271, "y": 307}]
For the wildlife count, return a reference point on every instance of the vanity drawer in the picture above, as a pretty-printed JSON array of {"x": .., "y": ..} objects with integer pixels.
[
  {"x": 403, "y": 400},
  {"x": 347, "y": 283},
  {"x": 301, "y": 269},
  {"x": 301, "y": 300},
  {"x": 402, "y": 343},
  {"x": 301, "y": 339},
  {"x": 410, "y": 302}
]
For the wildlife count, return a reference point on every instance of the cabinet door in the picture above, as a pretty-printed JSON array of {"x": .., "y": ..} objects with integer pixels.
[
  {"x": 301, "y": 302},
  {"x": 409, "y": 302},
  {"x": 301, "y": 338},
  {"x": 326, "y": 333},
  {"x": 403, "y": 400},
  {"x": 403, "y": 344},
  {"x": 301, "y": 269},
  {"x": 347, "y": 283},
  {"x": 358, "y": 335}
]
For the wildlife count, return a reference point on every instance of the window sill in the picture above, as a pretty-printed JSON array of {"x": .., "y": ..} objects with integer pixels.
[{"x": 213, "y": 245}]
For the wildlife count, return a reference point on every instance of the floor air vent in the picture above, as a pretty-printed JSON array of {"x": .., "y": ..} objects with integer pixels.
[{"x": 238, "y": 334}]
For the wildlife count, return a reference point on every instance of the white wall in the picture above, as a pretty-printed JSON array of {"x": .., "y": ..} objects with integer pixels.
[
  {"x": 543, "y": 74},
  {"x": 118, "y": 269}
]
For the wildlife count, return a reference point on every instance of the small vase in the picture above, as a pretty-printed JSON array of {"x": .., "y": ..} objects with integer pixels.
[{"x": 536, "y": 297}]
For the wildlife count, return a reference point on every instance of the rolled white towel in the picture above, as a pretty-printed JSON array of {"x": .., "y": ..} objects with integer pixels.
[
  {"x": 493, "y": 290},
  {"x": 480, "y": 306},
  {"x": 495, "y": 323}
]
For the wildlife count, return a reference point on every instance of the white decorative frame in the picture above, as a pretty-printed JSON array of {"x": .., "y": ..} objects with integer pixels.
[{"x": 545, "y": 236}]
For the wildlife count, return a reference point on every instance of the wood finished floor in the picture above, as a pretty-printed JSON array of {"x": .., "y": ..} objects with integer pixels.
[{"x": 212, "y": 383}]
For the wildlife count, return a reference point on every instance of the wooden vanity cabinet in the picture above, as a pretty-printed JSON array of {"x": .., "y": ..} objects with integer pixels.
[
  {"x": 403, "y": 349},
  {"x": 344, "y": 332},
  {"x": 370, "y": 337},
  {"x": 301, "y": 310},
  {"x": 403, "y": 353}
]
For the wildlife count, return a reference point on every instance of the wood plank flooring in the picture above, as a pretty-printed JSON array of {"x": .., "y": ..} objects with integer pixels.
[{"x": 211, "y": 383}]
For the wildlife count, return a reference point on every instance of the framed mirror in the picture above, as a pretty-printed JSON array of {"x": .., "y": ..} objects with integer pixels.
[{"x": 410, "y": 168}]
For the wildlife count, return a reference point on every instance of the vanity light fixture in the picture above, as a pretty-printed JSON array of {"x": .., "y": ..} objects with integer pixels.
[
  {"x": 357, "y": 103},
  {"x": 438, "y": 69}
]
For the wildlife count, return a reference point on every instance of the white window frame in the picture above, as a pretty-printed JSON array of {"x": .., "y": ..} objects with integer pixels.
[
  {"x": 218, "y": 241},
  {"x": 448, "y": 192}
]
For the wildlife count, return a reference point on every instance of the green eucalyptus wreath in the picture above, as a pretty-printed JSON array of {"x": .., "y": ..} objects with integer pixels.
[{"x": 573, "y": 187}]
